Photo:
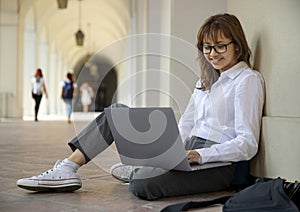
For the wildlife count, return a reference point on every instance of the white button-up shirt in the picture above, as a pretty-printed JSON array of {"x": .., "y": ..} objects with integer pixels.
[
  {"x": 229, "y": 114},
  {"x": 37, "y": 85}
]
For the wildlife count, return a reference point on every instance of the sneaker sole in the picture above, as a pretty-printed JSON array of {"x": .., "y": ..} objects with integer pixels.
[
  {"x": 69, "y": 188},
  {"x": 125, "y": 180}
]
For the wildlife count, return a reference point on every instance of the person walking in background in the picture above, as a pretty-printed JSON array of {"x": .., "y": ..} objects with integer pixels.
[
  {"x": 68, "y": 92},
  {"x": 38, "y": 87},
  {"x": 87, "y": 94}
]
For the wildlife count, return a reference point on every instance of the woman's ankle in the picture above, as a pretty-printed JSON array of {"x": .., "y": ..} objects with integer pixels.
[{"x": 77, "y": 157}]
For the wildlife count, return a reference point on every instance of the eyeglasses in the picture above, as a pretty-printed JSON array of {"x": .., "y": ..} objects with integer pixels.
[{"x": 220, "y": 48}]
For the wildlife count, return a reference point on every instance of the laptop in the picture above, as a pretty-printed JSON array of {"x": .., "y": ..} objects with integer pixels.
[{"x": 149, "y": 136}]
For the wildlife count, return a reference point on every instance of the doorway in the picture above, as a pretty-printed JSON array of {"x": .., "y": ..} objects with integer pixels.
[{"x": 101, "y": 76}]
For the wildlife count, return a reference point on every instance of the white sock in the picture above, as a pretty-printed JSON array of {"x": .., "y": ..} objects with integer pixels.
[{"x": 71, "y": 164}]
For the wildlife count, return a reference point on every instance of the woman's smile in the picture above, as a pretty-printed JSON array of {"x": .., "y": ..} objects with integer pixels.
[{"x": 215, "y": 61}]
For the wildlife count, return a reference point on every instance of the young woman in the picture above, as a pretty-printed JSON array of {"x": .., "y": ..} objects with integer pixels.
[
  {"x": 68, "y": 92},
  {"x": 221, "y": 123},
  {"x": 87, "y": 94},
  {"x": 38, "y": 87}
]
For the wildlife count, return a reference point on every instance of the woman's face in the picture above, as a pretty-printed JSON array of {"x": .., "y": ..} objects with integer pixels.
[{"x": 222, "y": 53}]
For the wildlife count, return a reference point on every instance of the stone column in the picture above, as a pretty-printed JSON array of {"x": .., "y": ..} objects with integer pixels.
[{"x": 10, "y": 98}]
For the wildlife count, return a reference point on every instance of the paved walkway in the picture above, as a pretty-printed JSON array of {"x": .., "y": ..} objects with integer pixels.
[{"x": 28, "y": 148}]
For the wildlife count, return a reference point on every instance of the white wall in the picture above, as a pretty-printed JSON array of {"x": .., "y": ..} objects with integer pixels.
[
  {"x": 187, "y": 17},
  {"x": 10, "y": 97},
  {"x": 272, "y": 30},
  {"x": 171, "y": 27}
]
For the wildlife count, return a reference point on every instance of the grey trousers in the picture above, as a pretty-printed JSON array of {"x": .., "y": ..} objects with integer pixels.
[
  {"x": 97, "y": 136},
  {"x": 179, "y": 183}
]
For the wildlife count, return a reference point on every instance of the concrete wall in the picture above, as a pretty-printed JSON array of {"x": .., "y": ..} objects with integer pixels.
[
  {"x": 272, "y": 30},
  {"x": 186, "y": 19},
  {"x": 171, "y": 61},
  {"x": 10, "y": 85}
]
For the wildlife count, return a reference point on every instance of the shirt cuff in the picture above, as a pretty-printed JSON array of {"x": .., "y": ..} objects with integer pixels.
[{"x": 207, "y": 154}]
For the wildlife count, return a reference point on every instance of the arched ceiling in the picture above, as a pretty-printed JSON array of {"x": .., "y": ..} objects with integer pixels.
[{"x": 102, "y": 21}]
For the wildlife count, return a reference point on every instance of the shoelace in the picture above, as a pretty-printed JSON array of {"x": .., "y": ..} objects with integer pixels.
[{"x": 56, "y": 166}]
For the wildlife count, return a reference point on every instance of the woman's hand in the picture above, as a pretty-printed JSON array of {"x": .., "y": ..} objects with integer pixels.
[{"x": 193, "y": 156}]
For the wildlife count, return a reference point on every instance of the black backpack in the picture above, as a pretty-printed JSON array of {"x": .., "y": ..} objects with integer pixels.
[
  {"x": 68, "y": 90},
  {"x": 266, "y": 195}
]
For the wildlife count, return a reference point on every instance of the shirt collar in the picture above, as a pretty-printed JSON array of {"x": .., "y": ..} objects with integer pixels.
[{"x": 234, "y": 71}]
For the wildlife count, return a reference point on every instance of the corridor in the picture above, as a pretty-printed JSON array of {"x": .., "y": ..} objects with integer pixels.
[
  {"x": 140, "y": 53},
  {"x": 28, "y": 148}
]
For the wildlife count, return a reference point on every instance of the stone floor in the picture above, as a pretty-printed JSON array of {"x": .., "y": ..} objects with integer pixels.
[{"x": 28, "y": 148}]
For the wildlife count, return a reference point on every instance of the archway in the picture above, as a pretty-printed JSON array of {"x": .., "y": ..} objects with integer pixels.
[{"x": 102, "y": 78}]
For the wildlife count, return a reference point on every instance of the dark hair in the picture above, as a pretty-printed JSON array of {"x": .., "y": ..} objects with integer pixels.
[
  {"x": 226, "y": 25},
  {"x": 70, "y": 77},
  {"x": 38, "y": 73}
]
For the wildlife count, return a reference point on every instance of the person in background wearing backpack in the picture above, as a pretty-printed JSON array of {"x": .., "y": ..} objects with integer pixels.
[
  {"x": 221, "y": 122},
  {"x": 68, "y": 92},
  {"x": 38, "y": 87}
]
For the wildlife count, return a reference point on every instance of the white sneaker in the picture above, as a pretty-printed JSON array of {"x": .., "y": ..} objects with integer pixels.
[
  {"x": 122, "y": 172},
  {"x": 61, "y": 178}
]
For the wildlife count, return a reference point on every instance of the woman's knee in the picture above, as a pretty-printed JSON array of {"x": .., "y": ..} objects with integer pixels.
[
  {"x": 148, "y": 183},
  {"x": 145, "y": 189}
]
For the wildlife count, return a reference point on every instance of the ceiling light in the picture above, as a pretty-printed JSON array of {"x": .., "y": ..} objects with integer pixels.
[
  {"x": 62, "y": 4},
  {"x": 79, "y": 34}
]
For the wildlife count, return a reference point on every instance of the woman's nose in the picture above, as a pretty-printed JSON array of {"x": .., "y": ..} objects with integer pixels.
[{"x": 213, "y": 52}]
